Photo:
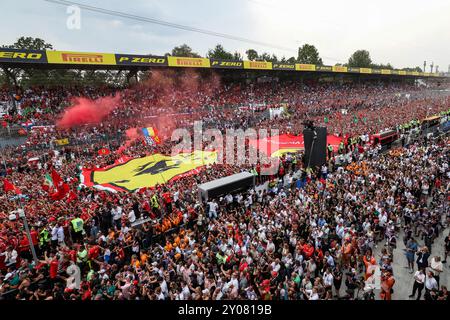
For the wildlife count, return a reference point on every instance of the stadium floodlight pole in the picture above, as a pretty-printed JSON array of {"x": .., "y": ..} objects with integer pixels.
[{"x": 27, "y": 230}]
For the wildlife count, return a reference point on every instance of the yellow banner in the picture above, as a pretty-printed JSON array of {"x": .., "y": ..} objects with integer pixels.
[
  {"x": 188, "y": 62},
  {"x": 151, "y": 170},
  {"x": 415, "y": 73},
  {"x": 402, "y": 72},
  {"x": 305, "y": 67},
  {"x": 339, "y": 69},
  {"x": 62, "y": 142},
  {"x": 365, "y": 70},
  {"x": 70, "y": 57},
  {"x": 386, "y": 71},
  {"x": 264, "y": 65}
]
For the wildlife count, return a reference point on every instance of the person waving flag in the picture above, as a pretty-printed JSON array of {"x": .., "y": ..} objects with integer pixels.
[
  {"x": 151, "y": 136},
  {"x": 8, "y": 186}
]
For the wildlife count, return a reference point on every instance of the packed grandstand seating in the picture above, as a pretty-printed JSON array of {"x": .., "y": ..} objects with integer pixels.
[{"x": 310, "y": 235}]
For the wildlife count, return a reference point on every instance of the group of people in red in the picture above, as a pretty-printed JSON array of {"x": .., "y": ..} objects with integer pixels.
[{"x": 309, "y": 233}]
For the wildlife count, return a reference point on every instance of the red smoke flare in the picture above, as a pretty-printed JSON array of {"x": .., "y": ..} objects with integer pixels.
[
  {"x": 87, "y": 111},
  {"x": 132, "y": 135}
]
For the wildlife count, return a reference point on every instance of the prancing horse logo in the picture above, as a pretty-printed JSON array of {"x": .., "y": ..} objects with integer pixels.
[{"x": 159, "y": 167}]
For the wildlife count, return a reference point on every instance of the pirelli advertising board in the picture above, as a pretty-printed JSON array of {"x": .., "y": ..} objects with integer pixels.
[
  {"x": 10, "y": 56},
  {"x": 22, "y": 56},
  {"x": 89, "y": 58},
  {"x": 365, "y": 70},
  {"x": 188, "y": 62},
  {"x": 305, "y": 67},
  {"x": 140, "y": 60},
  {"x": 324, "y": 68},
  {"x": 261, "y": 65},
  {"x": 339, "y": 69},
  {"x": 226, "y": 64},
  {"x": 283, "y": 66}
]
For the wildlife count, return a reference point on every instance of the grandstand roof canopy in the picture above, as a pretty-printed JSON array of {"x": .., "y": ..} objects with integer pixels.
[{"x": 94, "y": 60}]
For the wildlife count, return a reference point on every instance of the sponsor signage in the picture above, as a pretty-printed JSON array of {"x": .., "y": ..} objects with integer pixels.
[
  {"x": 283, "y": 66},
  {"x": 365, "y": 70},
  {"x": 140, "y": 60},
  {"x": 27, "y": 56},
  {"x": 89, "y": 58},
  {"x": 324, "y": 68},
  {"x": 226, "y": 64},
  {"x": 305, "y": 67},
  {"x": 263, "y": 65},
  {"x": 8, "y": 55},
  {"x": 353, "y": 69},
  {"x": 339, "y": 69},
  {"x": 188, "y": 62}
]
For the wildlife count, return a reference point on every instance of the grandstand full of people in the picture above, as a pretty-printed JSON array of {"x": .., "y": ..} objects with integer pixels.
[{"x": 321, "y": 233}]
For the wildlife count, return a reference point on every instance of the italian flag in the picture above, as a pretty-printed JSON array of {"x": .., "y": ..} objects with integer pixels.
[{"x": 48, "y": 183}]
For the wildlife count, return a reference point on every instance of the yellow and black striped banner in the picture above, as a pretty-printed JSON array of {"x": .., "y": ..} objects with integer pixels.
[{"x": 11, "y": 57}]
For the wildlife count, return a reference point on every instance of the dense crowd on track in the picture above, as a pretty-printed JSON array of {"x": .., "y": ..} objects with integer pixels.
[{"x": 309, "y": 234}]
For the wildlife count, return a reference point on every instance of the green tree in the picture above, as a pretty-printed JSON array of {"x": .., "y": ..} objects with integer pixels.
[
  {"x": 219, "y": 53},
  {"x": 252, "y": 54},
  {"x": 16, "y": 75},
  {"x": 417, "y": 69},
  {"x": 29, "y": 43},
  {"x": 267, "y": 57},
  {"x": 309, "y": 54},
  {"x": 382, "y": 66},
  {"x": 237, "y": 56},
  {"x": 184, "y": 51},
  {"x": 360, "y": 58},
  {"x": 291, "y": 60}
]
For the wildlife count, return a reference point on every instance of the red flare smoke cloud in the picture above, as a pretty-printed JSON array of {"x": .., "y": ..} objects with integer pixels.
[
  {"x": 132, "y": 135},
  {"x": 87, "y": 111}
]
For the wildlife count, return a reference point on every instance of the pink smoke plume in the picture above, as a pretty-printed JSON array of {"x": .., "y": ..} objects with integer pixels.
[
  {"x": 132, "y": 135},
  {"x": 87, "y": 111},
  {"x": 178, "y": 92}
]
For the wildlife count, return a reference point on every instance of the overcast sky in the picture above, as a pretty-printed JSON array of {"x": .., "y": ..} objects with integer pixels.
[{"x": 401, "y": 32}]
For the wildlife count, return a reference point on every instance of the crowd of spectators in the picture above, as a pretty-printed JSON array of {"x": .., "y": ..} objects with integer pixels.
[{"x": 306, "y": 234}]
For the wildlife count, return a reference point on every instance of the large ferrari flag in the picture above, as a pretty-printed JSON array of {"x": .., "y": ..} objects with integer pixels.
[
  {"x": 276, "y": 146},
  {"x": 147, "y": 172}
]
